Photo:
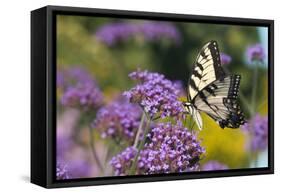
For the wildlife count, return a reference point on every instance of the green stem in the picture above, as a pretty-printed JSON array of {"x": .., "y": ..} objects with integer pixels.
[
  {"x": 95, "y": 155},
  {"x": 139, "y": 130},
  {"x": 134, "y": 165},
  {"x": 254, "y": 91}
]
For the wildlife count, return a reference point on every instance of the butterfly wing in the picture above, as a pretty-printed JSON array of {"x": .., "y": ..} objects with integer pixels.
[
  {"x": 219, "y": 101},
  {"x": 211, "y": 91},
  {"x": 207, "y": 69},
  {"x": 196, "y": 116}
]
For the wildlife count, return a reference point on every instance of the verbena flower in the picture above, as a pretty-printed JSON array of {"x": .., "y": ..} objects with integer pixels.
[
  {"x": 214, "y": 165},
  {"x": 169, "y": 149},
  {"x": 73, "y": 75},
  {"x": 60, "y": 79},
  {"x": 155, "y": 94},
  {"x": 73, "y": 168},
  {"x": 257, "y": 128},
  {"x": 179, "y": 85},
  {"x": 110, "y": 34},
  {"x": 113, "y": 33},
  {"x": 79, "y": 168},
  {"x": 61, "y": 172},
  {"x": 225, "y": 59},
  {"x": 255, "y": 53},
  {"x": 63, "y": 144},
  {"x": 119, "y": 120},
  {"x": 123, "y": 161},
  {"x": 83, "y": 96},
  {"x": 80, "y": 90},
  {"x": 158, "y": 30}
]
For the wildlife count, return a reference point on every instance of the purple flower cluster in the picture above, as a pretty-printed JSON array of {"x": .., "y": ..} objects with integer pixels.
[
  {"x": 68, "y": 167},
  {"x": 123, "y": 161},
  {"x": 79, "y": 168},
  {"x": 170, "y": 148},
  {"x": 61, "y": 171},
  {"x": 255, "y": 53},
  {"x": 63, "y": 145},
  {"x": 113, "y": 33},
  {"x": 214, "y": 165},
  {"x": 257, "y": 128},
  {"x": 225, "y": 59},
  {"x": 84, "y": 96},
  {"x": 155, "y": 94},
  {"x": 179, "y": 85},
  {"x": 118, "y": 120},
  {"x": 157, "y": 30},
  {"x": 72, "y": 168},
  {"x": 72, "y": 76},
  {"x": 77, "y": 74},
  {"x": 60, "y": 79},
  {"x": 79, "y": 89}
]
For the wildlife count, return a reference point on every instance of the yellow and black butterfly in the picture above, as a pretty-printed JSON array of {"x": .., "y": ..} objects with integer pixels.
[{"x": 212, "y": 91}]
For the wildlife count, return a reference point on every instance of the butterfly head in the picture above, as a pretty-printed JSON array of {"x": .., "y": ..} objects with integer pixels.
[{"x": 188, "y": 107}]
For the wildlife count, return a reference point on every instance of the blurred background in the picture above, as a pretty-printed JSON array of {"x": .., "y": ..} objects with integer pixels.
[{"x": 106, "y": 50}]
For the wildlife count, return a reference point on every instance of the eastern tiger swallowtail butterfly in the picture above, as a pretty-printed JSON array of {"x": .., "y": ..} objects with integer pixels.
[{"x": 212, "y": 91}]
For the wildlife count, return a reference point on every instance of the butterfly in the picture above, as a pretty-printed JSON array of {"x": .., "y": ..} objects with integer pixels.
[{"x": 212, "y": 91}]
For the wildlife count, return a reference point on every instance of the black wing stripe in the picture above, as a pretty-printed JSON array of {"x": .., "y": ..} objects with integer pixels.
[
  {"x": 214, "y": 86},
  {"x": 203, "y": 54},
  {"x": 192, "y": 84},
  {"x": 210, "y": 90},
  {"x": 234, "y": 86},
  {"x": 200, "y": 66},
  {"x": 216, "y": 58},
  {"x": 197, "y": 74}
]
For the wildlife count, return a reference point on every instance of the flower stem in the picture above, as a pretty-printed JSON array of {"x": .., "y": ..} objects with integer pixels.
[
  {"x": 254, "y": 91},
  {"x": 134, "y": 165},
  {"x": 139, "y": 130},
  {"x": 95, "y": 155}
]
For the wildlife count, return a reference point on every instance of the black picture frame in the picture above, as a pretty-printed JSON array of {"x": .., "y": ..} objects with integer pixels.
[{"x": 43, "y": 99}]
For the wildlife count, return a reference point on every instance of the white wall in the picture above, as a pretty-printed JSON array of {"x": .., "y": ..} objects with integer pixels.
[{"x": 15, "y": 81}]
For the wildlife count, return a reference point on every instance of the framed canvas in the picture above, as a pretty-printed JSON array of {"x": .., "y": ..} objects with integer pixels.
[{"x": 126, "y": 96}]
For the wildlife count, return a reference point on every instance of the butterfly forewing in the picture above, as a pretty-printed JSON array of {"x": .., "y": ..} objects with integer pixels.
[{"x": 207, "y": 68}]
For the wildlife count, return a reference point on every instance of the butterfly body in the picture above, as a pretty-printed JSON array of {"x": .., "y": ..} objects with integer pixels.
[{"x": 213, "y": 92}]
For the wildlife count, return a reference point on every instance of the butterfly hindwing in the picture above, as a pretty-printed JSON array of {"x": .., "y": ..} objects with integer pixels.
[
  {"x": 196, "y": 116},
  {"x": 219, "y": 101}
]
